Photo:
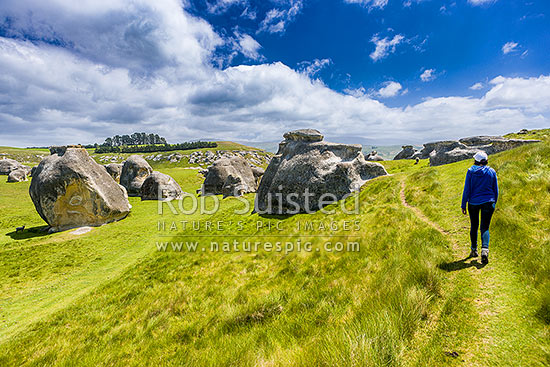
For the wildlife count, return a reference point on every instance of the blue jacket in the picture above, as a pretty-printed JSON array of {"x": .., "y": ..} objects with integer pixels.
[{"x": 481, "y": 186}]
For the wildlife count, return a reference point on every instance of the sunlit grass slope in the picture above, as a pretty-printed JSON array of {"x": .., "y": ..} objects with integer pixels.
[
  {"x": 516, "y": 284},
  {"x": 209, "y": 308},
  {"x": 109, "y": 297}
]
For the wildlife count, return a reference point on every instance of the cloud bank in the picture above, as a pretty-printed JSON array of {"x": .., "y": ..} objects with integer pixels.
[{"x": 78, "y": 73}]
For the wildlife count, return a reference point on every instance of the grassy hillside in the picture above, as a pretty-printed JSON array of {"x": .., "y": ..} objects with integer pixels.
[
  {"x": 33, "y": 156},
  {"x": 408, "y": 297},
  {"x": 541, "y": 134}
]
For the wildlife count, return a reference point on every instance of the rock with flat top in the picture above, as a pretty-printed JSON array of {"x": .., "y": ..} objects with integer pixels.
[
  {"x": 407, "y": 152},
  {"x": 306, "y": 174}
]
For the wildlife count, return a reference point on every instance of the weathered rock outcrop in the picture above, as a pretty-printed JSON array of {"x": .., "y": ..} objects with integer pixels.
[
  {"x": 7, "y": 165},
  {"x": 115, "y": 170},
  {"x": 449, "y": 151},
  {"x": 17, "y": 175},
  {"x": 158, "y": 186},
  {"x": 445, "y": 152},
  {"x": 134, "y": 171},
  {"x": 308, "y": 172},
  {"x": 231, "y": 176},
  {"x": 69, "y": 189},
  {"x": 407, "y": 153}
]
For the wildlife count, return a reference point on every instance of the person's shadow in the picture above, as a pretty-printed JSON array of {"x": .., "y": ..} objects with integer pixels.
[{"x": 461, "y": 264}]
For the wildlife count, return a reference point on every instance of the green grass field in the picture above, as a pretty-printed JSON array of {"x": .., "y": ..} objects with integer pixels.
[
  {"x": 407, "y": 298},
  {"x": 33, "y": 156}
]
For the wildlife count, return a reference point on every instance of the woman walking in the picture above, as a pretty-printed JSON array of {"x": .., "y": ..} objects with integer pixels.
[{"x": 481, "y": 195}]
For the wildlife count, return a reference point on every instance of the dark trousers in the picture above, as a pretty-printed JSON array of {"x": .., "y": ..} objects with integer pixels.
[{"x": 486, "y": 211}]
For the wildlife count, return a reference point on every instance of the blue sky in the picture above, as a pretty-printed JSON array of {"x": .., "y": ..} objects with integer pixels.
[
  {"x": 366, "y": 71},
  {"x": 460, "y": 41}
]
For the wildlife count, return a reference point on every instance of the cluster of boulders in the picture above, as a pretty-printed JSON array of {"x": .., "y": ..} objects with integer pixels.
[
  {"x": 209, "y": 157},
  {"x": 231, "y": 176},
  {"x": 200, "y": 158},
  {"x": 15, "y": 171},
  {"x": 110, "y": 158},
  {"x": 139, "y": 179},
  {"x": 449, "y": 151},
  {"x": 308, "y": 173}
]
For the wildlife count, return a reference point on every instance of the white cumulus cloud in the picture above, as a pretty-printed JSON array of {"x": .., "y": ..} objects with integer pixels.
[
  {"x": 118, "y": 67},
  {"x": 390, "y": 89},
  {"x": 248, "y": 46},
  {"x": 481, "y": 2},
  {"x": 276, "y": 20},
  {"x": 477, "y": 86},
  {"x": 384, "y": 46},
  {"x": 369, "y": 3},
  {"x": 428, "y": 75},
  {"x": 311, "y": 68},
  {"x": 509, "y": 47}
]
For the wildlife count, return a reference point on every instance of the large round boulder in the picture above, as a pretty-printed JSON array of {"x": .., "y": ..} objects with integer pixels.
[
  {"x": 230, "y": 176},
  {"x": 17, "y": 175},
  {"x": 7, "y": 165},
  {"x": 308, "y": 172},
  {"x": 69, "y": 189},
  {"x": 134, "y": 172},
  {"x": 158, "y": 186}
]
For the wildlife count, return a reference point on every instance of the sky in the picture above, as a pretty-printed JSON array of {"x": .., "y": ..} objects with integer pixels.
[{"x": 360, "y": 71}]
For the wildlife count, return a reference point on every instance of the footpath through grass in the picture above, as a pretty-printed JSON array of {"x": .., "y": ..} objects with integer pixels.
[{"x": 506, "y": 303}]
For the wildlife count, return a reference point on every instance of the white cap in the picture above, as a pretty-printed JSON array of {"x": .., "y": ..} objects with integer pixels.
[{"x": 480, "y": 156}]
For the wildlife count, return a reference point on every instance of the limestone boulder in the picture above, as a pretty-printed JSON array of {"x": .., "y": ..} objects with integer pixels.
[
  {"x": 407, "y": 152},
  {"x": 69, "y": 189},
  {"x": 134, "y": 172},
  {"x": 7, "y": 165},
  {"x": 115, "y": 170},
  {"x": 17, "y": 175},
  {"x": 308, "y": 172},
  {"x": 159, "y": 186},
  {"x": 450, "y": 151},
  {"x": 229, "y": 176}
]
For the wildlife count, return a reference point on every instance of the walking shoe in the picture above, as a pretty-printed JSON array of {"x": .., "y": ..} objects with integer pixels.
[
  {"x": 473, "y": 253},
  {"x": 484, "y": 255}
]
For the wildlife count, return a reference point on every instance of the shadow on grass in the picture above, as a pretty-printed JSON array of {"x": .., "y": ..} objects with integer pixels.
[
  {"x": 29, "y": 233},
  {"x": 276, "y": 216},
  {"x": 461, "y": 265}
]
